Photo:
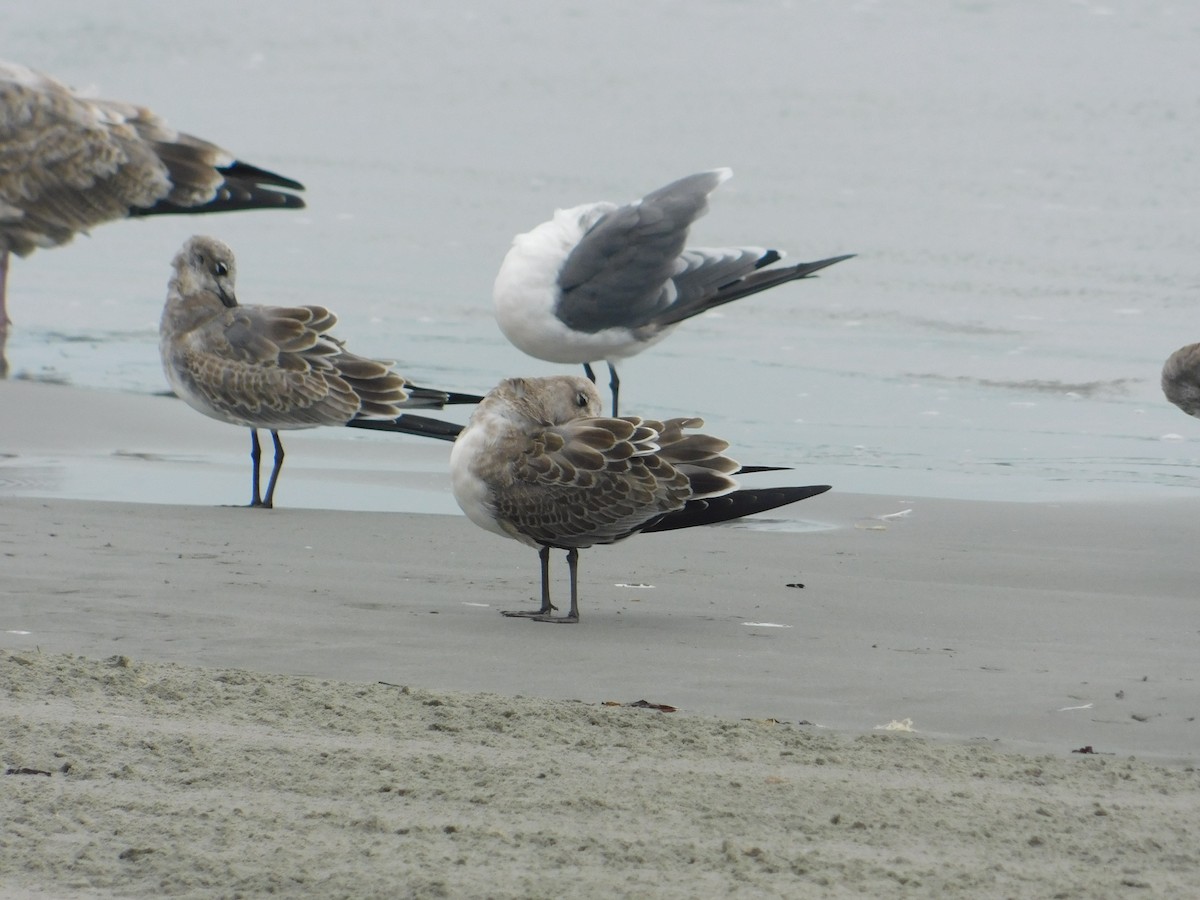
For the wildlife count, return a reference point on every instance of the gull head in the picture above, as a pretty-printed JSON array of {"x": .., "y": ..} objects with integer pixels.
[
  {"x": 542, "y": 402},
  {"x": 207, "y": 264}
]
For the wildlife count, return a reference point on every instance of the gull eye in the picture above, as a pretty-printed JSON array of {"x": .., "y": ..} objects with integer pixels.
[
  {"x": 220, "y": 269},
  {"x": 581, "y": 400}
]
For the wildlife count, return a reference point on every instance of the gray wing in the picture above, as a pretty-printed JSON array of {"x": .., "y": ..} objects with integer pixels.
[
  {"x": 619, "y": 275},
  {"x": 591, "y": 481},
  {"x": 68, "y": 163}
]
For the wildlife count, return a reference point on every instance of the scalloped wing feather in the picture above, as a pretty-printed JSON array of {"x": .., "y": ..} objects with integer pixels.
[
  {"x": 270, "y": 364},
  {"x": 590, "y": 481}
]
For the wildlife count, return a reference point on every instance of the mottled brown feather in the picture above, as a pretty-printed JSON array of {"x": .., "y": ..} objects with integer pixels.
[
  {"x": 580, "y": 481},
  {"x": 264, "y": 366},
  {"x": 69, "y": 163}
]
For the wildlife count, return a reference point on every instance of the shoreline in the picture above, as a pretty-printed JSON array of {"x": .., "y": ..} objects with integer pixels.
[
  {"x": 326, "y": 703},
  {"x": 1050, "y": 626}
]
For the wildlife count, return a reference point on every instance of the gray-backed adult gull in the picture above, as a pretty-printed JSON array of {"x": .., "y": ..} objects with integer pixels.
[
  {"x": 604, "y": 282},
  {"x": 272, "y": 367},
  {"x": 538, "y": 463},
  {"x": 69, "y": 162}
]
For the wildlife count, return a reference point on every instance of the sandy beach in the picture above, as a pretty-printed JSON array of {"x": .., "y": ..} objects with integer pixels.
[
  {"x": 325, "y": 702},
  {"x": 882, "y": 691}
]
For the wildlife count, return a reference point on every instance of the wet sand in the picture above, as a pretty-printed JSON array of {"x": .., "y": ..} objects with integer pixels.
[{"x": 325, "y": 702}]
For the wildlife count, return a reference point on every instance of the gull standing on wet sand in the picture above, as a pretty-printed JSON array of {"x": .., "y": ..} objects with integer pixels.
[
  {"x": 539, "y": 464},
  {"x": 271, "y": 367},
  {"x": 69, "y": 162},
  {"x": 604, "y": 282}
]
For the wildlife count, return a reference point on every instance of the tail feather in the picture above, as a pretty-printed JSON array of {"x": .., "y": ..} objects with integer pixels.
[
  {"x": 733, "y": 506},
  {"x": 422, "y": 426},
  {"x": 762, "y": 279},
  {"x": 434, "y": 398},
  {"x": 423, "y": 398}
]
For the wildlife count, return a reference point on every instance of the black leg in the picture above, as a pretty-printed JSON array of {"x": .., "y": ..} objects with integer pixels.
[
  {"x": 268, "y": 501},
  {"x": 547, "y": 606},
  {"x": 587, "y": 370},
  {"x": 4, "y": 320},
  {"x": 255, "y": 456},
  {"x": 614, "y": 384},
  {"x": 573, "y": 615},
  {"x": 544, "y": 557}
]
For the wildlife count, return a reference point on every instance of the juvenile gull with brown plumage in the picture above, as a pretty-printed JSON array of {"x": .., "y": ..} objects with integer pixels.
[
  {"x": 69, "y": 162},
  {"x": 270, "y": 367},
  {"x": 538, "y": 463},
  {"x": 605, "y": 282}
]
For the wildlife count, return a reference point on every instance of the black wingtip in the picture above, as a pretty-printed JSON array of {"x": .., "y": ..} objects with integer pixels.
[
  {"x": 737, "y": 505},
  {"x": 246, "y": 172},
  {"x": 421, "y": 426},
  {"x": 805, "y": 270},
  {"x": 763, "y": 278},
  {"x": 244, "y": 187},
  {"x": 231, "y": 197},
  {"x": 451, "y": 398}
]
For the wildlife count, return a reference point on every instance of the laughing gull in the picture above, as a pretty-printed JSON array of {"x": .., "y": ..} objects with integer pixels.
[
  {"x": 68, "y": 163},
  {"x": 604, "y": 282},
  {"x": 272, "y": 367},
  {"x": 539, "y": 463}
]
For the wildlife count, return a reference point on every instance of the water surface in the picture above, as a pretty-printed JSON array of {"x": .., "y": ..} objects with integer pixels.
[{"x": 1020, "y": 181}]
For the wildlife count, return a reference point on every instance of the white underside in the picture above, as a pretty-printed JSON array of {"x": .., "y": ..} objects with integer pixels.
[
  {"x": 526, "y": 292},
  {"x": 471, "y": 492}
]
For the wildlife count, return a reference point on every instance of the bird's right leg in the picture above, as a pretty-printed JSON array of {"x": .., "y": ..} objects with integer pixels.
[
  {"x": 547, "y": 606},
  {"x": 255, "y": 456}
]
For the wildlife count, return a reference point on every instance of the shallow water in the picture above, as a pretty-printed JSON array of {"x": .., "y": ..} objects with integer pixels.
[{"x": 1020, "y": 182}]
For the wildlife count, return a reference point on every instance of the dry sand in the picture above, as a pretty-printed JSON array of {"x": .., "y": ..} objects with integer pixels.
[
  {"x": 325, "y": 703},
  {"x": 173, "y": 780}
]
